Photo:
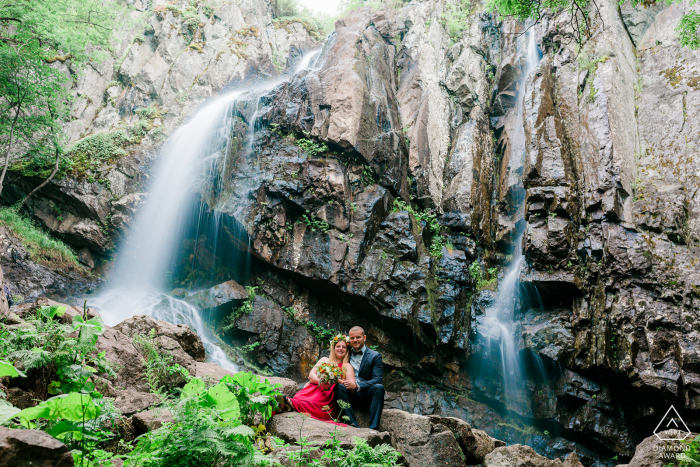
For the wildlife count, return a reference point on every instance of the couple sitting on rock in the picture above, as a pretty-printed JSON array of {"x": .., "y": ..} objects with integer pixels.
[{"x": 360, "y": 386}]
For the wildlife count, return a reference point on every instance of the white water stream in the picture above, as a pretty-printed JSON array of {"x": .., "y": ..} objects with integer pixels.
[
  {"x": 497, "y": 324},
  {"x": 139, "y": 283}
]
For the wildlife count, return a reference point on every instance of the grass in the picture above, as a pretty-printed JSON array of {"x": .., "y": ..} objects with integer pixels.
[{"x": 41, "y": 246}]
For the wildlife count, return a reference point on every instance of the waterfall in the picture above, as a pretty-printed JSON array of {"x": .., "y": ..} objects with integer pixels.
[
  {"x": 138, "y": 285},
  {"x": 498, "y": 321}
]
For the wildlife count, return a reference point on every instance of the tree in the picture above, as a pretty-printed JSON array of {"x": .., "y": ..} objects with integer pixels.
[
  {"x": 580, "y": 12},
  {"x": 34, "y": 35}
]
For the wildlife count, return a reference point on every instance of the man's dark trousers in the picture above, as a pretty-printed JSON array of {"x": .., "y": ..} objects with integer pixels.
[{"x": 372, "y": 399}]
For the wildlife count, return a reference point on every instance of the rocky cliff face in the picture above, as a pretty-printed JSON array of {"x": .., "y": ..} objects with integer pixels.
[{"x": 419, "y": 179}]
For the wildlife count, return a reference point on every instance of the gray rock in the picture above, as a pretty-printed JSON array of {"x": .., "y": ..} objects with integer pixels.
[
  {"x": 215, "y": 373},
  {"x": 290, "y": 426},
  {"x": 22, "y": 448},
  {"x": 151, "y": 420},
  {"x": 655, "y": 452},
  {"x": 218, "y": 295},
  {"x": 421, "y": 440},
  {"x": 180, "y": 333},
  {"x": 130, "y": 402},
  {"x": 524, "y": 456}
]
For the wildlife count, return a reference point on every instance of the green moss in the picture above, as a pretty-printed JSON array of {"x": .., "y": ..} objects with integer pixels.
[
  {"x": 42, "y": 248},
  {"x": 312, "y": 26}
]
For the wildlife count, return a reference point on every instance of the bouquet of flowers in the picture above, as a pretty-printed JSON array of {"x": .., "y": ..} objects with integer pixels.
[{"x": 329, "y": 374}]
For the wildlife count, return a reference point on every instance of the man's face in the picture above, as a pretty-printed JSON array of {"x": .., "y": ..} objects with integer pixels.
[{"x": 357, "y": 339}]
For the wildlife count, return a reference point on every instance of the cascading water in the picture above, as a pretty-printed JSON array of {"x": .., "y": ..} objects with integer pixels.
[
  {"x": 498, "y": 324},
  {"x": 139, "y": 282}
]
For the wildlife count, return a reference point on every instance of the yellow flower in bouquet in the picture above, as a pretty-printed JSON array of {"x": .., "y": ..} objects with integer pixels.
[{"x": 328, "y": 375}]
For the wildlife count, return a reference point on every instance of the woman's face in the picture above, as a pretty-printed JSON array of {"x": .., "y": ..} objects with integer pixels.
[{"x": 341, "y": 348}]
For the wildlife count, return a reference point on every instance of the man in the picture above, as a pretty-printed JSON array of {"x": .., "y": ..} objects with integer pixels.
[{"x": 367, "y": 391}]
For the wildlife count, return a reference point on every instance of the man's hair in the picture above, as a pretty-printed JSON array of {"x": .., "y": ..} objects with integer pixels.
[{"x": 357, "y": 328}]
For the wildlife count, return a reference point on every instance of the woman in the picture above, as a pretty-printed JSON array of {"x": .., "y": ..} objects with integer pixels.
[{"x": 317, "y": 402}]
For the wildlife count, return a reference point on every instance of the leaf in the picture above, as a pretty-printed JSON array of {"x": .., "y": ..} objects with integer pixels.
[
  {"x": 241, "y": 430},
  {"x": 32, "y": 413},
  {"x": 53, "y": 311},
  {"x": 224, "y": 400},
  {"x": 74, "y": 407},
  {"x": 8, "y": 369},
  {"x": 194, "y": 388},
  {"x": 90, "y": 329},
  {"x": 7, "y": 413}
]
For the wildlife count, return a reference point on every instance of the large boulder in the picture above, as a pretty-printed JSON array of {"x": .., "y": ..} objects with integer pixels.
[
  {"x": 130, "y": 402},
  {"x": 423, "y": 442},
  {"x": 180, "y": 333},
  {"x": 475, "y": 444},
  {"x": 220, "y": 294},
  {"x": 291, "y": 427},
  {"x": 518, "y": 455},
  {"x": 151, "y": 420},
  {"x": 658, "y": 451},
  {"x": 24, "y": 448}
]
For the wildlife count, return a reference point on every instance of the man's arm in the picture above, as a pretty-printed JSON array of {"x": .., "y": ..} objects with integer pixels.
[{"x": 377, "y": 374}]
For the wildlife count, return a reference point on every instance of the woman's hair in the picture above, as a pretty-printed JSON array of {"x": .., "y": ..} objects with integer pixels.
[{"x": 333, "y": 358}]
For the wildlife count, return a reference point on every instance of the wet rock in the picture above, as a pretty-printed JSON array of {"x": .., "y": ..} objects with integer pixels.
[
  {"x": 218, "y": 295},
  {"x": 180, "y": 333},
  {"x": 290, "y": 426},
  {"x": 151, "y": 420},
  {"x": 421, "y": 440},
  {"x": 20, "y": 448}
]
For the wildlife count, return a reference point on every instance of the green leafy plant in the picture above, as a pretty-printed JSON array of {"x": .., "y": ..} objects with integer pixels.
[
  {"x": 244, "y": 309},
  {"x": 315, "y": 223},
  {"x": 159, "y": 364},
  {"x": 310, "y": 147},
  {"x": 322, "y": 335}
]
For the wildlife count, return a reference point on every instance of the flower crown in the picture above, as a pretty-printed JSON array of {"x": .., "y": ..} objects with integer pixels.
[{"x": 338, "y": 338}]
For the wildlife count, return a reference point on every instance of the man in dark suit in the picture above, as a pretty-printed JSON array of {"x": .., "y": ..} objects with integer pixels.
[{"x": 367, "y": 391}]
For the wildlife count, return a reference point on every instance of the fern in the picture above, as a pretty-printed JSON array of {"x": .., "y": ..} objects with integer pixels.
[{"x": 31, "y": 359}]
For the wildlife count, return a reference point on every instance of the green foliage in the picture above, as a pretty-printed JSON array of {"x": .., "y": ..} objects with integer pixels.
[
  {"x": 244, "y": 309},
  {"x": 310, "y": 147},
  {"x": 691, "y": 455},
  {"x": 209, "y": 425},
  {"x": 323, "y": 336},
  {"x": 35, "y": 94},
  {"x": 688, "y": 28},
  {"x": 585, "y": 63},
  {"x": 254, "y": 395},
  {"x": 159, "y": 364},
  {"x": 455, "y": 19},
  {"x": 290, "y": 11},
  {"x": 483, "y": 281},
  {"x": 439, "y": 241},
  {"x": 315, "y": 223},
  {"x": 428, "y": 217},
  {"x": 436, "y": 246}
]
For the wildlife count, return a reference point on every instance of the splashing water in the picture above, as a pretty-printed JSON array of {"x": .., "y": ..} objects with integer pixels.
[{"x": 139, "y": 281}]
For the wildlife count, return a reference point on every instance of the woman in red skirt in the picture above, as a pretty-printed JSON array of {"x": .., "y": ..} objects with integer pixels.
[{"x": 319, "y": 402}]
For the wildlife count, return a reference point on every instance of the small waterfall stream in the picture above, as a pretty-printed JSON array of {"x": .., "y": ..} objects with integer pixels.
[
  {"x": 498, "y": 322},
  {"x": 139, "y": 283}
]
